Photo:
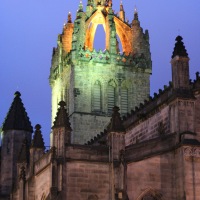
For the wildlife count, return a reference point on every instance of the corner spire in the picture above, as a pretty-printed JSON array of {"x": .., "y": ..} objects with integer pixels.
[
  {"x": 135, "y": 13},
  {"x": 135, "y": 21},
  {"x": 37, "y": 141},
  {"x": 179, "y": 49},
  {"x": 80, "y": 6},
  {"x": 121, "y": 12},
  {"x": 17, "y": 118},
  {"x": 62, "y": 119},
  {"x": 121, "y": 6}
]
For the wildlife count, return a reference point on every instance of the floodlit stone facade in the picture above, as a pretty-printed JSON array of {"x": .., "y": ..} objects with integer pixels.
[{"x": 150, "y": 153}]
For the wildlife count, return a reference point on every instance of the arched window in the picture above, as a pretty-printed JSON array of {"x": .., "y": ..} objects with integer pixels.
[
  {"x": 111, "y": 96},
  {"x": 96, "y": 96},
  {"x": 124, "y": 100}
]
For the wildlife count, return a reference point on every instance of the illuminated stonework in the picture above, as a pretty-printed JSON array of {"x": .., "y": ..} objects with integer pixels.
[{"x": 91, "y": 82}]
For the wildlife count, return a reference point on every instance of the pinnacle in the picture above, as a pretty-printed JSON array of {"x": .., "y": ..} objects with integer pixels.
[
  {"x": 62, "y": 119},
  {"x": 17, "y": 118},
  {"x": 115, "y": 122},
  {"x": 179, "y": 49},
  {"x": 37, "y": 141}
]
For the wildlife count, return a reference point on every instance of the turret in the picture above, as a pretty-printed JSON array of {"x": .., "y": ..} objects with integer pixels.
[
  {"x": 61, "y": 130},
  {"x": 16, "y": 129},
  {"x": 180, "y": 65}
]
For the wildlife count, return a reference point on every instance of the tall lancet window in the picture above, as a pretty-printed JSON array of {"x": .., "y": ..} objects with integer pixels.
[
  {"x": 124, "y": 100},
  {"x": 111, "y": 96},
  {"x": 96, "y": 96}
]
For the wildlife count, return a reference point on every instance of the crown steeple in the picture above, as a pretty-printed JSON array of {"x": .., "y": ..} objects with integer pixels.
[{"x": 83, "y": 88}]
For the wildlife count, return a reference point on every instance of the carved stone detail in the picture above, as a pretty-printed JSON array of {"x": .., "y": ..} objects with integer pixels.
[{"x": 191, "y": 152}]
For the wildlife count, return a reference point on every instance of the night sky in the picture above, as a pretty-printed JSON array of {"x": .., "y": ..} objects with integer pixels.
[{"x": 29, "y": 29}]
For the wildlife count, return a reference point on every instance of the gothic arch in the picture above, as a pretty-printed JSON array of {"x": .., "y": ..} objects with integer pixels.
[
  {"x": 91, "y": 27},
  {"x": 122, "y": 30},
  {"x": 124, "y": 35},
  {"x": 150, "y": 194}
]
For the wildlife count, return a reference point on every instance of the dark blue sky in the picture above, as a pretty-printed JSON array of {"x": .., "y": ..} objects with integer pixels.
[{"x": 29, "y": 29}]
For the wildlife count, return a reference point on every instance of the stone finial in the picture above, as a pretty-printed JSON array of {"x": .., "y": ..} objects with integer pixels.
[
  {"x": 69, "y": 18},
  {"x": 80, "y": 6},
  {"x": 17, "y": 93},
  {"x": 135, "y": 13},
  {"x": 121, "y": 6},
  {"x": 179, "y": 49},
  {"x": 62, "y": 119},
  {"x": 136, "y": 21},
  {"x": 37, "y": 141},
  {"x": 115, "y": 124},
  {"x": 17, "y": 118}
]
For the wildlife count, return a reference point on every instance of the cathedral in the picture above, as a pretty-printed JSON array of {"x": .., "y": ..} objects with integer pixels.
[{"x": 110, "y": 139}]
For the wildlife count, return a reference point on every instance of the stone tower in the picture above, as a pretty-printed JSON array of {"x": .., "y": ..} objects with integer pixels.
[
  {"x": 16, "y": 129},
  {"x": 92, "y": 82}
]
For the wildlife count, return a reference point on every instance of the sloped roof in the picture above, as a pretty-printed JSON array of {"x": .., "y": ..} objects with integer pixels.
[
  {"x": 37, "y": 141},
  {"x": 179, "y": 49},
  {"x": 62, "y": 119},
  {"x": 17, "y": 118}
]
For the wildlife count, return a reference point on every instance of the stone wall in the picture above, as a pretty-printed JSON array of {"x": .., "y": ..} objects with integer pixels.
[
  {"x": 152, "y": 176},
  {"x": 137, "y": 85},
  {"x": 197, "y": 116},
  {"x": 86, "y": 180},
  {"x": 86, "y": 126},
  {"x": 11, "y": 146},
  {"x": 43, "y": 183},
  {"x": 150, "y": 128},
  {"x": 38, "y": 184},
  {"x": 190, "y": 171}
]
